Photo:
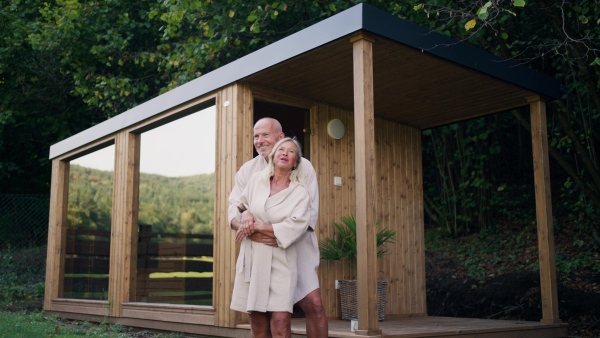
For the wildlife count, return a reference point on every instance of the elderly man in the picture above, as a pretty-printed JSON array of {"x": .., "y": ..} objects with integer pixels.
[{"x": 267, "y": 132}]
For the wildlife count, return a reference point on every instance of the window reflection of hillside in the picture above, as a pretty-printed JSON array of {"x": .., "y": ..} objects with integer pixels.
[
  {"x": 176, "y": 191},
  {"x": 89, "y": 213},
  {"x": 175, "y": 214}
]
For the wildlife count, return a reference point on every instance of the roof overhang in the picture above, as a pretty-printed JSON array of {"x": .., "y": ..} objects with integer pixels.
[{"x": 421, "y": 78}]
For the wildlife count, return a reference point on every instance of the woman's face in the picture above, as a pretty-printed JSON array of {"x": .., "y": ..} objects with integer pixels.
[{"x": 285, "y": 156}]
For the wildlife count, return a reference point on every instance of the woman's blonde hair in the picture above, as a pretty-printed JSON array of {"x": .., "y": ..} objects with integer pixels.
[{"x": 269, "y": 171}]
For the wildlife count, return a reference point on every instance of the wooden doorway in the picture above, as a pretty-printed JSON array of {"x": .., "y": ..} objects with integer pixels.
[{"x": 294, "y": 121}]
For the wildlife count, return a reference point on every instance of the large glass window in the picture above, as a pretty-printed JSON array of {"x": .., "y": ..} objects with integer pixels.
[
  {"x": 175, "y": 217},
  {"x": 88, "y": 225}
]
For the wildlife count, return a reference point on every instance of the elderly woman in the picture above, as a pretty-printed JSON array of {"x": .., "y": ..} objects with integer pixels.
[{"x": 266, "y": 276}]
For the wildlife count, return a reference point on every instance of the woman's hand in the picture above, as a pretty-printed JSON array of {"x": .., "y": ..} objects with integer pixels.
[
  {"x": 244, "y": 231},
  {"x": 246, "y": 226},
  {"x": 247, "y": 219}
]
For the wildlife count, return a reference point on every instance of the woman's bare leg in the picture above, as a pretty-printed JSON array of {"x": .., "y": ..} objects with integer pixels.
[
  {"x": 259, "y": 324},
  {"x": 281, "y": 324}
]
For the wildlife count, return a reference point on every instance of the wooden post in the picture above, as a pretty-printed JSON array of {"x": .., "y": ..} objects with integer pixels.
[
  {"x": 234, "y": 147},
  {"x": 122, "y": 277},
  {"x": 364, "y": 127},
  {"x": 543, "y": 203},
  {"x": 57, "y": 232}
]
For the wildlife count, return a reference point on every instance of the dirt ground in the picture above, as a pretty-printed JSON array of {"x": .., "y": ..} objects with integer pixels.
[{"x": 512, "y": 295}]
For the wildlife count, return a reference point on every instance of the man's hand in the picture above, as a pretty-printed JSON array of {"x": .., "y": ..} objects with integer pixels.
[
  {"x": 248, "y": 228},
  {"x": 264, "y": 239}
]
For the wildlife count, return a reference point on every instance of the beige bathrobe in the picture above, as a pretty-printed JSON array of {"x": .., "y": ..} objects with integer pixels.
[
  {"x": 266, "y": 277},
  {"x": 307, "y": 246}
]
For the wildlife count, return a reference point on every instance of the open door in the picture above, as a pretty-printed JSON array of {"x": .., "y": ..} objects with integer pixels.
[{"x": 294, "y": 121}]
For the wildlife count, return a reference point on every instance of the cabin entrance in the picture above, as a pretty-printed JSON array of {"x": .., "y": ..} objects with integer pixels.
[{"x": 294, "y": 121}]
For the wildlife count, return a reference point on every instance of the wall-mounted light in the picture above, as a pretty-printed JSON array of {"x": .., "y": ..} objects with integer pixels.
[{"x": 336, "y": 129}]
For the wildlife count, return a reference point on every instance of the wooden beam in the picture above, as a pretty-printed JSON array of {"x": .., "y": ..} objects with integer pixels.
[
  {"x": 277, "y": 96},
  {"x": 543, "y": 203},
  {"x": 364, "y": 126}
]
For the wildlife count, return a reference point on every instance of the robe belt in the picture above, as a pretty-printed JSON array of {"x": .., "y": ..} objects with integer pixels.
[
  {"x": 247, "y": 259},
  {"x": 246, "y": 255}
]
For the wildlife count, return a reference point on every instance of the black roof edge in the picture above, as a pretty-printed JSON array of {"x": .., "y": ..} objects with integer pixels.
[{"x": 434, "y": 43}]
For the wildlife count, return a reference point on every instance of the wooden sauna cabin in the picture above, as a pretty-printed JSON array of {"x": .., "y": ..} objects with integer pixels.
[{"x": 137, "y": 230}]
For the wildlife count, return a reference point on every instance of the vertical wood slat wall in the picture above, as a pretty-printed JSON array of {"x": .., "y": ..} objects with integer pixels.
[
  {"x": 399, "y": 201},
  {"x": 234, "y": 147}
]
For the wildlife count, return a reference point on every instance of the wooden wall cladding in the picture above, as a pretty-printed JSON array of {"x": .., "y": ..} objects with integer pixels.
[{"x": 399, "y": 206}]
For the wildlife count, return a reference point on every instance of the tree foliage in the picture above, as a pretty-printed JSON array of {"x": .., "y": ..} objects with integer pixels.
[
  {"x": 67, "y": 65},
  {"x": 106, "y": 48},
  {"x": 201, "y": 35},
  {"x": 35, "y": 106},
  {"x": 558, "y": 38}
]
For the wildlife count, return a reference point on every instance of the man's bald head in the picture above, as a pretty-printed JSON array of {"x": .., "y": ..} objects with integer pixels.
[{"x": 267, "y": 131}]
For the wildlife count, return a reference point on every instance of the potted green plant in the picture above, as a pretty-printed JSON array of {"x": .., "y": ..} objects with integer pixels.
[{"x": 342, "y": 247}]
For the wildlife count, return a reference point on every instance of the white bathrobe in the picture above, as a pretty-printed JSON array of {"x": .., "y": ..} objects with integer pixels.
[
  {"x": 307, "y": 245},
  {"x": 266, "y": 277}
]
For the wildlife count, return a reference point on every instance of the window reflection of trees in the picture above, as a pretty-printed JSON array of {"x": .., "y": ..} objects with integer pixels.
[
  {"x": 89, "y": 210},
  {"x": 175, "y": 213}
]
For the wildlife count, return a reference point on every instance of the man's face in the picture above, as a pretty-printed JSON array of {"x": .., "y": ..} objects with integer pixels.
[{"x": 265, "y": 137}]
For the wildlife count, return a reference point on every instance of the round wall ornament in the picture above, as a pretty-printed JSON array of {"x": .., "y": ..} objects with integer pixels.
[{"x": 336, "y": 129}]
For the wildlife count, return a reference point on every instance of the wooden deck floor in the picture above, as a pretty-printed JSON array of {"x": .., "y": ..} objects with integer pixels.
[
  {"x": 404, "y": 327},
  {"x": 445, "y": 327}
]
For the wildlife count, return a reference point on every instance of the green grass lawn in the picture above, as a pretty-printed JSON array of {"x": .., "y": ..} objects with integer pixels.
[{"x": 37, "y": 325}]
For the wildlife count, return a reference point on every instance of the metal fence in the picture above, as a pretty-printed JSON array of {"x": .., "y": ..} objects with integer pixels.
[{"x": 23, "y": 220}]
